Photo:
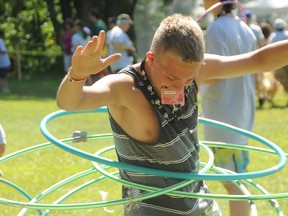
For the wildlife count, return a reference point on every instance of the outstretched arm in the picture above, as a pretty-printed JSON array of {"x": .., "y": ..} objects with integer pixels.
[
  {"x": 268, "y": 58},
  {"x": 72, "y": 95}
]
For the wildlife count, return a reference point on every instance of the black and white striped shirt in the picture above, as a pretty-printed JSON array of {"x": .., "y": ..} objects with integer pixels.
[{"x": 176, "y": 150}]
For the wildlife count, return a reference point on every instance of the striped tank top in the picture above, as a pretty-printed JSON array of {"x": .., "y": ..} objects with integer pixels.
[{"x": 176, "y": 149}]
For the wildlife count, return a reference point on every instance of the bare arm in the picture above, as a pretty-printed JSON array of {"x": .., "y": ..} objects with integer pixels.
[
  {"x": 74, "y": 95},
  {"x": 265, "y": 59}
]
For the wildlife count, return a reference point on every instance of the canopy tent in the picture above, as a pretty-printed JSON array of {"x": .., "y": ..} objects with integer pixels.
[{"x": 266, "y": 7}]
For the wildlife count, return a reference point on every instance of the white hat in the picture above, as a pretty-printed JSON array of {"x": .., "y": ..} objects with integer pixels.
[
  {"x": 124, "y": 18},
  {"x": 279, "y": 24},
  {"x": 86, "y": 30}
]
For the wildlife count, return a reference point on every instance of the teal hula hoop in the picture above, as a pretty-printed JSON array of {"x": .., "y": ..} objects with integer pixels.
[{"x": 164, "y": 173}]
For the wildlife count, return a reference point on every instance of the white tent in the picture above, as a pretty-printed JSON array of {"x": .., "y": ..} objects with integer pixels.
[{"x": 267, "y": 7}]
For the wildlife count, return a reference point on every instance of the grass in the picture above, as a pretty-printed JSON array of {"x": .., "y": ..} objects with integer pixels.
[{"x": 32, "y": 99}]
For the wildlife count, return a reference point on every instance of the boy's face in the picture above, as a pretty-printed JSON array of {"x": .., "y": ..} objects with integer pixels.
[{"x": 168, "y": 71}]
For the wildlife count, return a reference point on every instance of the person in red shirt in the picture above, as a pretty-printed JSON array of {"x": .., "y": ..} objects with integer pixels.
[{"x": 69, "y": 30}]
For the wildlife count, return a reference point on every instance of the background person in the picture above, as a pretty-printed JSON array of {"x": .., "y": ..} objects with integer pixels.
[
  {"x": 81, "y": 36},
  {"x": 259, "y": 78},
  {"x": 69, "y": 30},
  {"x": 119, "y": 42},
  {"x": 98, "y": 23},
  {"x": 267, "y": 85},
  {"x": 111, "y": 23},
  {"x": 231, "y": 101},
  {"x": 5, "y": 65},
  {"x": 255, "y": 28},
  {"x": 266, "y": 29},
  {"x": 280, "y": 34}
]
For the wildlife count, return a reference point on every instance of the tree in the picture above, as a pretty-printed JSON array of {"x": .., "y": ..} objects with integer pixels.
[
  {"x": 35, "y": 26},
  {"x": 79, "y": 9}
]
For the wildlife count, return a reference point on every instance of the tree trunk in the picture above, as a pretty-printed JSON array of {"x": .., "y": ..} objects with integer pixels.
[
  {"x": 83, "y": 7},
  {"x": 112, "y": 8},
  {"x": 56, "y": 24},
  {"x": 66, "y": 9},
  {"x": 17, "y": 7}
]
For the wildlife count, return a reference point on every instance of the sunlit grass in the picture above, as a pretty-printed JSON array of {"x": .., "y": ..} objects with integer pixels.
[{"x": 22, "y": 112}]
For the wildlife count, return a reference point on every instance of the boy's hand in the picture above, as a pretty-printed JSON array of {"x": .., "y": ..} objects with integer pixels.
[{"x": 88, "y": 60}]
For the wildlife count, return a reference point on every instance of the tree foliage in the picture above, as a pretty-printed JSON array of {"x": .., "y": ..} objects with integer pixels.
[{"x": 35, "y": 26}]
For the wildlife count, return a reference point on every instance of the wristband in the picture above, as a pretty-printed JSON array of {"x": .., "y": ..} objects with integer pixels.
[{"x": 71, "y": 79}]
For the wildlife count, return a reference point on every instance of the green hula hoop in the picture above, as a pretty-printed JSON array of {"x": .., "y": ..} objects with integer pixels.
[
  {"x": 34, "y": 205},
  {"x": 164, "y": 173}
]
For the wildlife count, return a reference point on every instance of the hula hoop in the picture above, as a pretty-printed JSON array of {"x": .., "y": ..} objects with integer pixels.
[
  {"x": 75, "y": 206},
  {"x": 164, "y": 173},
  {"x": 188, "y": 177},
  {"x": 122, "y": 201},
  {"x": 220, "y": 4}
]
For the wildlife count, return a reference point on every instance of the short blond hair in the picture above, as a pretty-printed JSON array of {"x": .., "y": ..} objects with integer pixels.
[{"x": 181, "y": 35}]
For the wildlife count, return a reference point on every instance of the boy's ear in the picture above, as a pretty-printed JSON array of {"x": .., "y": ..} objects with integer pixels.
[{"x": 150, "y": 58}]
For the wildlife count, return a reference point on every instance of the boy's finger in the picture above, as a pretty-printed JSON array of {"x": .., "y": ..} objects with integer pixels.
[
  {"x": 90, "y": 46},
  {"x": 110, "y": 59},
  {"x": 78, "y": 51},
  {"x": 101, "y": 40}
]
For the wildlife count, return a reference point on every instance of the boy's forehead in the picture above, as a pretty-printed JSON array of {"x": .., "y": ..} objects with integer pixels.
[
  {"x": 170, "y": 58},
  {"x": 173, "y": 65}
]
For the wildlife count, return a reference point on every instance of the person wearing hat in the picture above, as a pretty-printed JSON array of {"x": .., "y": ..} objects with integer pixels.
[
  {"x": 280, "y": 34},
  {"x": 82, "y": 35},
  {"x": 119, "y": 42},
  {"x": 255, "y": 28},
  {"x": 280, "y": 31}
]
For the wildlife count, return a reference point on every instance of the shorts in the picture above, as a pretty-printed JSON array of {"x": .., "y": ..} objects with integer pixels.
[
  {"x": 231, "y": 159},
  {"x": 4, "y": 72}
]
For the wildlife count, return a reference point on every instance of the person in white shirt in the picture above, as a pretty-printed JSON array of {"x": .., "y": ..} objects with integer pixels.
[
  {"x": 231, "y": 101},
  {"x": 5, "y": 65},
  {"x": 119, "y": 42},
  {"x": 81, "y": 37}
]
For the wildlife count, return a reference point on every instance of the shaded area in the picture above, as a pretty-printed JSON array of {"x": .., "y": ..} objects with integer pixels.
[{"x": 38, "y": 87}]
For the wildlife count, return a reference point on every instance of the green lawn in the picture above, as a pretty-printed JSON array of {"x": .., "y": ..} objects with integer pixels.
[{"x": 32, "y": 99}]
